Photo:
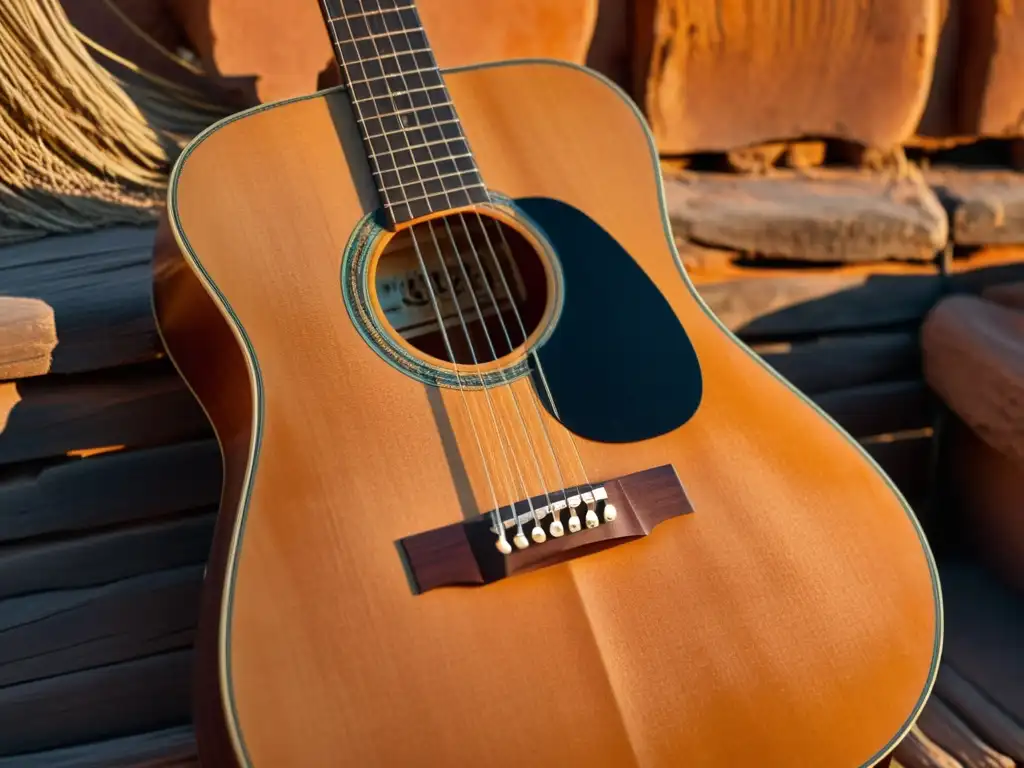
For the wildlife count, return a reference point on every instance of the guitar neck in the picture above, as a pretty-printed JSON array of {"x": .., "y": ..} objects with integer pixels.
[{"x": 419, "y": 155}]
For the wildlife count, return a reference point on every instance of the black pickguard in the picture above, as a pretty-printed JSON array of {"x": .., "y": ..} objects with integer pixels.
[{"x": 619, "y": 364}]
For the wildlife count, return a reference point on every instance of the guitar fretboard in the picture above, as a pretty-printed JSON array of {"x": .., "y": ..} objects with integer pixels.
[{"x": 419, "y": 155}]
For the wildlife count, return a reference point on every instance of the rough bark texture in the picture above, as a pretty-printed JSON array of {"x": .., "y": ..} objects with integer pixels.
[
  {"x": 722, "y": 74},
  {"x": 277, "y": 50},
  {"x": 832, "y": 216}
]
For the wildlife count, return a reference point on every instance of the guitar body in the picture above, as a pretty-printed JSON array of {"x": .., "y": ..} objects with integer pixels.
[{"x": 791, "y": 616}]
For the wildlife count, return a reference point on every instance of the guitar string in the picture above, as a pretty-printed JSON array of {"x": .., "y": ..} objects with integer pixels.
[
  {"x": 498, "y": 427},
  {"x": 496, "y": 513},
  {"x": 508, "y": 292},
  {"x": 539, "y": 536},
  {"x": 537, "y": 533},
  {"x": 536, "y": 357}
]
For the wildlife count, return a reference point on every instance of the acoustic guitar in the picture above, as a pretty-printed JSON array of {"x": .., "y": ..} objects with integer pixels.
[{"x": 499, "y": 489}]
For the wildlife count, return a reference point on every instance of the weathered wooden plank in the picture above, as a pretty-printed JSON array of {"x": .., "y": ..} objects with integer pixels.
[
  {"x": 877, "y": 409},
  {"x": 168, "y": 748},
  {"x": 819, "y": 216},
  {"x": 942, "y": 726},
  {"x": 136, "y": 406},
  {"x": 986, "y": 206},
  {"x": 984, "y": 632},
  {"x": 96, "y": 288},
  {"x": 767, "y": 304},
  {"x": 990, "y": 722},
  {"x": 973, "y": 353},
  {"x": 837, "y": 362},
  {"x": 54, "y": 633},
  {"x": 104, "y": 703},
  {"x": 84, "y": 561},
  {"x": 74, "y": 494},
  {"x": 704, "y": 92}
]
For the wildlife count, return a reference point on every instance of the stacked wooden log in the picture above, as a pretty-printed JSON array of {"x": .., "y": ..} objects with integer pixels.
[{"x": 109, "y": 480}]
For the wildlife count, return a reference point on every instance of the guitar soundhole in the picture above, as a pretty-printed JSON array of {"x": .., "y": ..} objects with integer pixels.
[{"x": 487, "y": 281}]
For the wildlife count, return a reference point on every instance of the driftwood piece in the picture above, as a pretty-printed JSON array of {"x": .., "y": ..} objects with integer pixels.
[
  {"x": 918, "y": 751},
  {"x": 984, "y": 632},
  {"x": 138, "y": 406},
  {"x": 74, "y": 494},
  {"x": 28, "y": 335},
  {"x": 877, "y": 409},
  {"x": 103, "y": 703},
  {"x": 990, "y": 722},
  {"x": 168, "y": 748},
  {"x": 973, "y": 352},
  {"x": 824, "y": 216},
  {"x": 765, "y": 304},
  {"x": 944, "y": 728},
  {"x": 838, "y": 362},
  {"x": 96, "y": 287},
  {"x": 986, "y": 206},
  {"x": 53, "y": 633},
  {"x": 721, "y": 75},
  {"x": 100, "y": 558}
]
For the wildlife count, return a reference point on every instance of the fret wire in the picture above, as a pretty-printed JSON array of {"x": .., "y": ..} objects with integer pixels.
[
  {"x": 361, "y": 14},
  {"x": 375, "y": 155},
  {"x": 403, "y": 184},
  {"x": 408, "y": 128},
  {"x": 406, "y": 111},
  {"x": 465, "y": 188},
  {"x": 376, "y": 36},
  {"x": 432, "y": 161},
  {"x": 411, "y": 52},
  {"x": 368, "y": 34},
  {"x": 384, "y": 77},
  {"x": 405, "y": 93}
]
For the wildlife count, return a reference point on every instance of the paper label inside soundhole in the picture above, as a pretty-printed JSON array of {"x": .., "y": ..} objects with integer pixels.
[{"x": 405, "y": 299}]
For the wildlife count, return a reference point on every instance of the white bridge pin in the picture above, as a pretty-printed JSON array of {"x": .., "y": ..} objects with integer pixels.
[
  {"x": 520, "y": 541},
  {"x": 537, "y": 534},
  {"x": 503, "y": 546},
  {"x": 556, "y": 529},
  {"x": 591, "y": 519},
  {"x": 610, "y": 512},
  {"x": 574, "y": 523}
]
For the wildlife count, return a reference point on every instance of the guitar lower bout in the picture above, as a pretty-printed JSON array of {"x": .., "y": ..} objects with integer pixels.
[{"x": 761, "y": 593}]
